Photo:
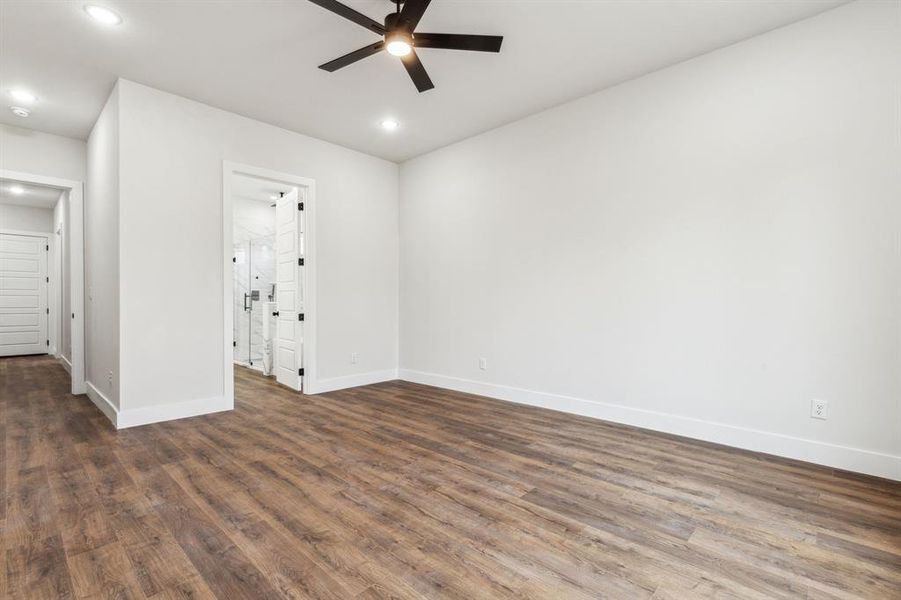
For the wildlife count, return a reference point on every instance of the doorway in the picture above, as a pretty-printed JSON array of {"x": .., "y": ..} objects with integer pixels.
[
  {"x": 269, "y": 311},
  {"x": 42, "y": 270}
]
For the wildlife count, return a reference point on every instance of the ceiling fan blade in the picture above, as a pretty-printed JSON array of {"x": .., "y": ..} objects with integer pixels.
[
  {"x": 412, "y": 12},
  {"x": 352, "y": 57},
  {"x": 453, "y": 41},
  {"x": 351, "y": 15},
  {"x": 417, "y": 72}
]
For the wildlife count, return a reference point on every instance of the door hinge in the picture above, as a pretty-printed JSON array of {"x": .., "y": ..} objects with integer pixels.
[
  {"x": 234, "y": 344},
  {"x": 47, "y": 247},
  {"x": 48, "y": 279},
  {"x": 48, "y": 311},
  {"x": 300, "y": 206},
  {"x": 234, "y": 259},
  {"x": 300, "y": 372},
  {"x": 300, "y": 317},
  {"x": 276, "y": 313},
  {"x": 48, "y": 342},
  {"x": 299, "y": 262}
]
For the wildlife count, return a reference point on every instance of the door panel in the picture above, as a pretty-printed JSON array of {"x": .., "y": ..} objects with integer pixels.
[
  {"x": 19, "y": 283},
  {"x": 23, "y": 295},
  {"x": 20, "y": 245},
  {"x": 18, "y": 338},
  {"x": 13, "y": 300},
  {"x": 13, "y": 320},
  {"x": 289, "y": 338}
]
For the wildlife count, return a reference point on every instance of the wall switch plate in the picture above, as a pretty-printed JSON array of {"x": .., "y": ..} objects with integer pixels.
[
  {"x": 819, "y": 409},
  {"x": 354, "y": 358},
  {"x": 483, "y": 363}
]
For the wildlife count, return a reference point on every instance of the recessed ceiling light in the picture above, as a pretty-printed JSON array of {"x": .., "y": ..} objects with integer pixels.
[
  {"x": 102, "y": 14},
  {"x": 389, "y": 124},
  {"x": 23, "y": 96},
  {"x": 17, "y": 190},
  {"x": 19, "y": 111},
  {"x": 273, "y": 197}
]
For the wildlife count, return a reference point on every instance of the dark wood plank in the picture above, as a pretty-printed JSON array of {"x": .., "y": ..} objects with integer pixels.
[
  {"x": 398, "y": 490},
  {"x": 104, "y": 572},
  {"x": 37, "y": 569},
  {"x": 226, "y": 570}
]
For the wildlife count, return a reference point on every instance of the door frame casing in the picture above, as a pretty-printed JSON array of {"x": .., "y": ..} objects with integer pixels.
[
  {"x": 308, "y": 272},
  {"x": 76, "y": 264},
  {"x": 56, "y": 337}
]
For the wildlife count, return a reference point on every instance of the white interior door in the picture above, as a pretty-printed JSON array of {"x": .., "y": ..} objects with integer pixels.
[
  {"x": 23, "y": 295},
  {"x": 289, "y": 290}
]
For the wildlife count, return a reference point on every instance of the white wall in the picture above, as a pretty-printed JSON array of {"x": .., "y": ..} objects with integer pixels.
[
  {"x": 702, "y": 250},
  {"x": 40, "y": 153},
  {"x": 171, "y": 245},
  {"x": 102, "y": 260},
  {"x": 26, "y": 218}
]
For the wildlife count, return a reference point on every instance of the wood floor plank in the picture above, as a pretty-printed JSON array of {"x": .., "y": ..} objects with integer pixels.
[
  {"x": 104, "y": 572},
  {"x": 3, "y": 463},
  {"x": 398, "y": 490},
  {"x": 37, "y": 569},
  {"x": 31, "y": 513},
  {"x": 83, "y": 523},
  {"x": 226, "y": 570},
  {"x": 193, "y": 588}
]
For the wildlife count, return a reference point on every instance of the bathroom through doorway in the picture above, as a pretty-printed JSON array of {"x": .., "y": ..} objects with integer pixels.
[{"x": 266, "y": 224}]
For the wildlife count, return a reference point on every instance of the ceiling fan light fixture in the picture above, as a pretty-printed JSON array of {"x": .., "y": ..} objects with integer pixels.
[
  {"x": 398, "y": 43},
  {"x": 399, "y": 36}
]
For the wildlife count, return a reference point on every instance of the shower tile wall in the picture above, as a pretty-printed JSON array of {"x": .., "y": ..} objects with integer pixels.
[{"x": 254, "y": 235}]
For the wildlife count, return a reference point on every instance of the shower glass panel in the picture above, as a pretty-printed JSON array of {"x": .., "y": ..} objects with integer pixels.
[{"x": 254, "y": 290}]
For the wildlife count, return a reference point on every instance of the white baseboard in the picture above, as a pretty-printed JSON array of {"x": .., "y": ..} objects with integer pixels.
[
  {"x": 169, "y": 412},
  {"x": 65, "y": 363},
  {"x": 123, "y": 419},
  {"x": 349, "y": 381},
  {"x": 831, "y": 455},
  {"x": 102, "y": 402}
]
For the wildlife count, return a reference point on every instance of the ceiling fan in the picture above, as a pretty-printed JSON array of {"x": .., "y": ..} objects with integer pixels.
[{"x": 400, "y": 39}]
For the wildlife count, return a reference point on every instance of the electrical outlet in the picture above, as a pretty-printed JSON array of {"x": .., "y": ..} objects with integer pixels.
[
  {"x": 483, "y": 363},
  {"x": 109, "y": 379},
  {"x": 819, "y": 409},
  {"x": 354, "y": 358}
]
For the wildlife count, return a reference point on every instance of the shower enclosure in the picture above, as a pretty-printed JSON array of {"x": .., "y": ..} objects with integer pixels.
[{"x": 254, "y": 294}]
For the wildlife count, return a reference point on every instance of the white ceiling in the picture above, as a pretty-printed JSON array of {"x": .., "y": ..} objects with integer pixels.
[
  {"x": 260, "y": 59},
  {"x": 37, "y": 196}
]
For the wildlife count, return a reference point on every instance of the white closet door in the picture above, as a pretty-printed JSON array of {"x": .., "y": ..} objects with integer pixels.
[
  {"x": 289, "y": 338},
  {"x": 23, "y": 295}
]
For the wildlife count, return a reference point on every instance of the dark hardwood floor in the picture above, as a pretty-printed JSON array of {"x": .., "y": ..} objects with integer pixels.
[{"x": 399, "y": 490}]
